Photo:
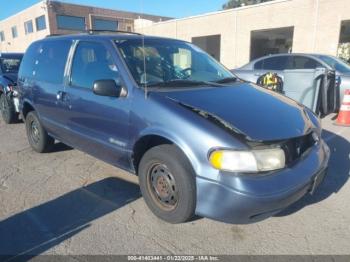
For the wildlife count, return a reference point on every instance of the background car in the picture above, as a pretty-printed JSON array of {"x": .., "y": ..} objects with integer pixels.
[
  {"x": 9, "y": 66},
  {"x": 279, "y": 62}
]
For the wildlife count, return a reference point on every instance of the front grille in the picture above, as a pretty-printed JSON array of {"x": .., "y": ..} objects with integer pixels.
[{"x": 294, "y": 148}]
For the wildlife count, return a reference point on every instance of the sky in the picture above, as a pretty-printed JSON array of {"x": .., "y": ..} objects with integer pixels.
[{"x": 174, "y": 8}]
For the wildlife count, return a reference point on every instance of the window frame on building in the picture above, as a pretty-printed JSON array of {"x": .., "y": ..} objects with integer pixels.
[
  {"x": 14, "y": 31},
  {"x": 72, "y": 28},
  {"x": 41, "y": 18},
  {"x": 2, "y": 36},
  {"x": 28, "y": 27},
  {"x": 106, "y": 20}
]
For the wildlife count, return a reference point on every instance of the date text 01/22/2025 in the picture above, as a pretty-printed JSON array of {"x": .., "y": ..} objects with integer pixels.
[{"x": 173, "y": 258}]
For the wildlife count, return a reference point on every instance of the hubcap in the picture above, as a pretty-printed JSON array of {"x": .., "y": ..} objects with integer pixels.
[
  {"x": 35, "y": 133},
  {"x": 163, "y": 186}
]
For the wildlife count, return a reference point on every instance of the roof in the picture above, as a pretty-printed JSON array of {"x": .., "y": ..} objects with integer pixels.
[
  {"x": 106, "y": 36},
  {"x": 315, "y": 56}
]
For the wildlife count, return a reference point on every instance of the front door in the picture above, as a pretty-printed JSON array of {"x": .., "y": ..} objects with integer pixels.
[{"x": 98, "y": 124}]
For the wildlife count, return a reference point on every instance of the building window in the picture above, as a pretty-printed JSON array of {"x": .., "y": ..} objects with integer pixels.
[
  {"x": 2, "y": 36},
  {"x": 210, "y": 43},
  {"x": 70, "y": 22},
  {"x": 14, "y": 31},
  {"x": 40, "y": 23},
  {"x": 344, "y": 41},
  {"x": 104, "y": 24},
  {"x": 271, "y": 41},
  {"x": 28, "y": 27},
  {"x": 129, "y": 28}
]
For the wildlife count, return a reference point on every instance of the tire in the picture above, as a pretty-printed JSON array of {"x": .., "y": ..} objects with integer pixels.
[
  {"x": 38, "y": 138},
  {"x": 8, "y": 111},
  {"x": 167, "y": 183}
]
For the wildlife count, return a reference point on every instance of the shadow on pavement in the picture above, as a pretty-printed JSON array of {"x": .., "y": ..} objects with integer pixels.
[
  {"x": 60, "y": 147},
  {"x": 338, "y": 173},
  {"x": 36, "y": 230}
]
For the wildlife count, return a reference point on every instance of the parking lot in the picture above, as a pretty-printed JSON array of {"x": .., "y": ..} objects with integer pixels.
[{"x": 67, "y": 202}]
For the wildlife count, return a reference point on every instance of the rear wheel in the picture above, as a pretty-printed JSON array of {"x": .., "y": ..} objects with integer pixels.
[
  {"x": 38, "y": 138},
  {"x": 8, "y": 111},
  {"x": 167, "y": 183}
]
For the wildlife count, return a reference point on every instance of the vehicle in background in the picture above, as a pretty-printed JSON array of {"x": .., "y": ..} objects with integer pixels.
[
  {"x": 9, "y": 66},
  {"x": 200, "y": 141},
  {"x": 279, "y": 62}
]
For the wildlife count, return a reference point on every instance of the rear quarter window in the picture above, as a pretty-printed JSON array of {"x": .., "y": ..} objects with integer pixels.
[{"x": 45, "y": 61}]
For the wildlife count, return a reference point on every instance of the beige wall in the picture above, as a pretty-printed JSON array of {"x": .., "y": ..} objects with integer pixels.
[
  {"x": 316, "y": 26},
  {"x": 20, "y": 43}
]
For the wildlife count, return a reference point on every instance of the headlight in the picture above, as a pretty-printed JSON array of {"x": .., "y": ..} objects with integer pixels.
[{"x": 248, "y": 161}]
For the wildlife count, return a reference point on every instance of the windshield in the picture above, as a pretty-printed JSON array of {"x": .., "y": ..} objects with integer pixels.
[
  {"x": 10, "y": 65},
  {"x": 170, "y": 61},
  {"x": 336, "y": 63}
]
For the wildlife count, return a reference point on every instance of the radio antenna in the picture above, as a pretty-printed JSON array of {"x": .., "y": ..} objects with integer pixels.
[{"x": 143, "y": 50}]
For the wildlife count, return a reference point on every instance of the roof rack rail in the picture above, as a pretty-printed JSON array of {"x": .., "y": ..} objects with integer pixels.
[
  {"x": 52, "y": 35},
  {"x": 92, "y": 31}
]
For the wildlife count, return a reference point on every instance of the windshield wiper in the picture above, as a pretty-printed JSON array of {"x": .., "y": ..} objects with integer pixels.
[
  {"x": 182, "y": 83},
  {"x": 226, "y": 80}
]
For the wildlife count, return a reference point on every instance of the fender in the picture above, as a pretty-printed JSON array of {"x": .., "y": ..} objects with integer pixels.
[
  {"x": 178, "y": 141},
  {"x": 27, "y": 101}
]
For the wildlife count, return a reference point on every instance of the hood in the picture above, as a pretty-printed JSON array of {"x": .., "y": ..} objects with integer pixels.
[
  {"x": 252, "y": 111},
  {"x": 12, "y": 77}
]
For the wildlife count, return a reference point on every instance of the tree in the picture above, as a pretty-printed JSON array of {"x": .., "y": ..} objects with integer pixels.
[{"x": 238, "y": 3}]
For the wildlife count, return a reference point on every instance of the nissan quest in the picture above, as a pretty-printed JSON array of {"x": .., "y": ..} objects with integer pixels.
[{"x": 201, "y": 141}]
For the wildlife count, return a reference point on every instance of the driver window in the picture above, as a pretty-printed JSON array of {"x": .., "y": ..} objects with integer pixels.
[{"x": 91, "y": 62}]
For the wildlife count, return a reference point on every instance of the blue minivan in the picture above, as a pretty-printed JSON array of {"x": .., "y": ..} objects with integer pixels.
[{"x": 200, "y": 140}]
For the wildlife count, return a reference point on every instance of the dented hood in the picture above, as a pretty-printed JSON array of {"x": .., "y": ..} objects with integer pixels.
[{"x": 254, "y": 112}]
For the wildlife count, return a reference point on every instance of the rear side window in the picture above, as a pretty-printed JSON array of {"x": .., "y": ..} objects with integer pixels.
[
  {"x": 91, "y": 62},
  {"x": 27, "y": 65},
  {"x": 45, "y": 61},
  {"x": 272, "y": 63}
]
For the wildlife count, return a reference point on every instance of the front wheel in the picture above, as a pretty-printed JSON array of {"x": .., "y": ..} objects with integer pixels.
[
  {"x": 38, "y": 138},
  {"x": 8, "y": 111},
  {"x": 167, "y": 183}
]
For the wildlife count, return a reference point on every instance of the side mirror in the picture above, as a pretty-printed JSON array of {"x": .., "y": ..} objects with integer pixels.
[{"x": 108, "y": 87}]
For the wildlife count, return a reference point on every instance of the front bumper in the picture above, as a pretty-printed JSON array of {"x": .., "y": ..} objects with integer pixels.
[{"x": 248, "y": 199}]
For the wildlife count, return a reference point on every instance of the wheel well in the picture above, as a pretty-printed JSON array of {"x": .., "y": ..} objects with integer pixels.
[
  {"x": 144, "y": 144},
  {"x": 26, "y": 109}
]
